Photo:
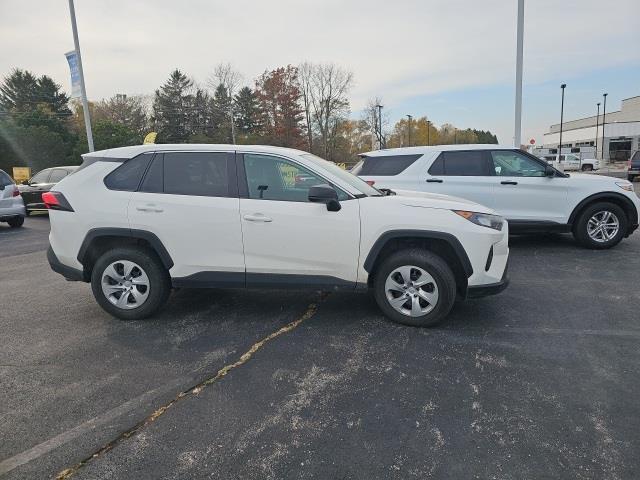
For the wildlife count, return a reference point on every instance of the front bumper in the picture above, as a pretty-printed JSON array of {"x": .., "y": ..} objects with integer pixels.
[
  {"x": 70, "y": 273},
  {"x": 478, "y": 291}
]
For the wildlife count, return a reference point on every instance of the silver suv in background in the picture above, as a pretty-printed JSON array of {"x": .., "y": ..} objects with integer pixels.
[{"x": 12, "y": 208}]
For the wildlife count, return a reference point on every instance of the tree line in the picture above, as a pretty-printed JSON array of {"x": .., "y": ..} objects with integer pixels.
[{"x": 305, "y": 106}]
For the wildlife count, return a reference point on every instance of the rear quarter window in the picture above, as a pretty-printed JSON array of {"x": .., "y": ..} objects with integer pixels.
[
  {"x": 385, "y": 166},
  {"x": 127, "y": 176}
]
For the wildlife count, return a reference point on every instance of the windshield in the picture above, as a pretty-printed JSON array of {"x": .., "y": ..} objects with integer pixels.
[{"x": 343, "y": 175}]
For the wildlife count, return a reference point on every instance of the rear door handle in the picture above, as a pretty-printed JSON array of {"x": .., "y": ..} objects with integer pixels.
[
  {"x": 257, "y": 217},
  {"x": 150, "y": 208},
  {"x": 434, "y": 180},
  {"x": 508, "y": 182}
]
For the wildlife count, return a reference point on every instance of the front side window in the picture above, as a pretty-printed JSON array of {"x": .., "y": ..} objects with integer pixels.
[
  {"x": 196, "y": 173},
  {"x": 384, "y": 166},
  {"x": 57, "y": 174},
  {"x": 471, "y": 163},
  {"x": 272, "y": 178},
  {"x": 507, "y": 163},
  {"x": 40, "y": 177}
]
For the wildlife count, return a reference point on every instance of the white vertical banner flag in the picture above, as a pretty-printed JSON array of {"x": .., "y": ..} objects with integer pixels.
[{"x": 72, "y": 58}]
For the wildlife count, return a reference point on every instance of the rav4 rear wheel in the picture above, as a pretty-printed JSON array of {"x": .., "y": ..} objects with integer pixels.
[
  {"x": 601, "y": 225},
  {"x": 130, "y": 283},
  {"x": 415, "y": 287},
  {"x": 16, "y": 222}
]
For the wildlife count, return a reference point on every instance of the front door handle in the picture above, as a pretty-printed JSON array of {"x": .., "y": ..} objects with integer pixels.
[
  {"x": 434, "y": 180},
  {"x": 257, "y": 217},
  {"x": 508, "y": 182}
]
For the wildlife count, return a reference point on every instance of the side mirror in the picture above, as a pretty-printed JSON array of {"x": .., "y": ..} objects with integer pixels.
[
  {"x": 549, "y": 171},
  {"x": 325, "y": 194}
]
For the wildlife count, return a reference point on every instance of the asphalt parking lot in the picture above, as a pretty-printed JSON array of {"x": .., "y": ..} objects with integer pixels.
[{"x": 540, "y": 381}]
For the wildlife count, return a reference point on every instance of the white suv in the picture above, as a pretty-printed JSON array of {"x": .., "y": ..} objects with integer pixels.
[
  {"x": 532, "y": 195},
  {"x": 136, "y": 221}
]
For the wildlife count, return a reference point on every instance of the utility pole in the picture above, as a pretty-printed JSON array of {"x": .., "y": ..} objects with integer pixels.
[
  {"x": 380, "y": 125},
  {"x": 83, "y": 90},
  {"x": 563, "y": 86},
  {"x": 517, "y": 128},
  {"x": 597, "y": 120},
  {"x": 428, "y": 132},
  {"x": 409, "y": 117},
  {"x": 604, "y": 120}
]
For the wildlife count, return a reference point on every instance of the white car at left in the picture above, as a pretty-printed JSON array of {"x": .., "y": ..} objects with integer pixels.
[{"x": 12, "y": 208}]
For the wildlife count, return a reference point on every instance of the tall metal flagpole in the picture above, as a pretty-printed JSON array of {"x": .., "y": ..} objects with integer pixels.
[
  {"x": 83, "y": 90},
  {"x": 517, "y": 129}
]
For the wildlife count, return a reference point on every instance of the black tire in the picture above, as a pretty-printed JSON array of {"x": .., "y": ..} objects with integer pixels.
[
  {"x": 159, "y": 282},
  {"x": 587, "y": 168},
  {"x": 631, "y": 177},
  {"x": 434, "y": 266},
  {"x": 580, "y": 231},
  {"x": 16, "y": 222}
]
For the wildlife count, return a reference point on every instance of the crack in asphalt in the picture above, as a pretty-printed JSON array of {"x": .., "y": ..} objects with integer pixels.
[{"x": 192, "y": 391}]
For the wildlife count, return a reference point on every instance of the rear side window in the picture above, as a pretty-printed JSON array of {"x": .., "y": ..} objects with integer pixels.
[
  {"x": 154, "y": 179},
  {"x": 57, "y": 174},
  {"x": 636, "y": 157},
  {"x": 471, "y": 163},
  {"x": 127, "y": 176},
  {"x": 40, "y": 177},
  {"x": 384, "y": 166},
  {"x": 196, "y": 173},
  {"x": 5, "y": 179}
]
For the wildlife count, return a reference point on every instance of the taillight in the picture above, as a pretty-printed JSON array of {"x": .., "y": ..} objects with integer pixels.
[
  {"x": 371, "y": 183},
  {"x": 56, "y": 201},
  {"x": 16, "y": 192}
]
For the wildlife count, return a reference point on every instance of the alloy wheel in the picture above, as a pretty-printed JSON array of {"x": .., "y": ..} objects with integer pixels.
[
  {"x": 603, "y": 226},
  {"x": 125, "y": 284},
  {"x": 411, "y": 291}
]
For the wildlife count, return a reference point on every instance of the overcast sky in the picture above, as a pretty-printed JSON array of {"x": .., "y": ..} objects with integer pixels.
[{"x": 450, "y": 60}]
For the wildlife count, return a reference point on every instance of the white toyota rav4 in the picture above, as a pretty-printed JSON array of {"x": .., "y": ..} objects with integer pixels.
[
  {"x": 532, "y": 195},
  {"x": 137, "y": 221}
]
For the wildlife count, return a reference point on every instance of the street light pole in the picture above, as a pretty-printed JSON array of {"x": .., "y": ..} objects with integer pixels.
[
  {"x": 517, "y": 135},
  {"x": 563, "y": 86},
  {"x": 604, "y": 120},
  {"x": 597, "y": 120},
  {"x": 409, "y": 117},
  {"x": 83, "y": 90},
  {"x": 380, "y": 124}
]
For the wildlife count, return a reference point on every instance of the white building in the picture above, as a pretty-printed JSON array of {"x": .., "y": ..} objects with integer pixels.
[{"x": 621, "y": 133}]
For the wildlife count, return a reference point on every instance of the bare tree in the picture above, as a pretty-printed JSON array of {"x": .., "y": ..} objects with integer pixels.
[
  {"x": 305, "y": 79},
  {"x": 224, "y": 74},
  {"x": 377, "y": 126},
  {"x": 324, "y": 89}
]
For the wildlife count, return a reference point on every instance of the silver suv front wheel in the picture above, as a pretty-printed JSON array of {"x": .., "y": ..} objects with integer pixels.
[{"x": 411, "y": 290}]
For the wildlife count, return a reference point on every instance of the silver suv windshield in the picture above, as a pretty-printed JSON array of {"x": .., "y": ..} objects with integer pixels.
[{"x": 355, "y": 182}]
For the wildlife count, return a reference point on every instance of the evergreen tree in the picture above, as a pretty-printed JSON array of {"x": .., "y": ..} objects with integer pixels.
[
  {"x": 172, "y": 108},
  {"x": 21, "y": 91},
  {"x": 221, "y": 107},
  {"x": 248, "y": 115}
]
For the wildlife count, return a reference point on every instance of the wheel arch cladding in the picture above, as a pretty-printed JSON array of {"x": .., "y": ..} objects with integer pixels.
[
  {"x": 440, "y": 243},
  {"x": 613, "y": 197},
  {"x": 98, "y": 240}
]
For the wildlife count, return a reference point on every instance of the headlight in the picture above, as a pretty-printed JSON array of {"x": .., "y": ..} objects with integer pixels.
[
  {"x": 482, "y": 219},
  {"x": 628, "y": 186}
]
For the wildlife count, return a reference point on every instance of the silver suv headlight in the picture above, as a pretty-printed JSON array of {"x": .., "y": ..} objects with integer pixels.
[{"x": 482, "y": 219}]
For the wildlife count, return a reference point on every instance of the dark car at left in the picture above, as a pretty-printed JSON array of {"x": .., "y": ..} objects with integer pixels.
[{"x": 42, "y": 182}]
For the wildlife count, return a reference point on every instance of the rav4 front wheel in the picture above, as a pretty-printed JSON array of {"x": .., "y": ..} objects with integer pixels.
[
  {"x": 130, "y": 283},
  {"x": 415, "y": 287}
]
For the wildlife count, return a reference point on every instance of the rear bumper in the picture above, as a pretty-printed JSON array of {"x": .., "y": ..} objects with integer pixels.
[
  {"x": 10, "y": 212},
  {"x": 479, "y": 291},
  {"x": 70, "y": 273}
]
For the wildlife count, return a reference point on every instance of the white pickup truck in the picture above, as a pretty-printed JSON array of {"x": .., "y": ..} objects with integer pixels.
[{"x": 570, "y": 161}]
